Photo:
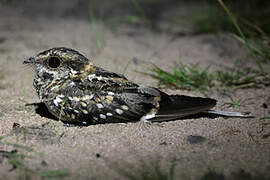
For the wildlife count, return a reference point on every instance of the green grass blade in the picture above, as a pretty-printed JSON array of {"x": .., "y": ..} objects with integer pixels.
[
  {"x": 234, "y": 21},
  {"x": 54, "y": 174}
]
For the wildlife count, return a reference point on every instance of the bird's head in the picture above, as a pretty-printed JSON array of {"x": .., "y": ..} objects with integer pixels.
[
  {"x": 57, "y": 66},
  {"x": 57, "y": 63}
]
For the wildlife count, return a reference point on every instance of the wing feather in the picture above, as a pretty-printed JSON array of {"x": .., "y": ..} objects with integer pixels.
[{"x": 129, "y": 105}]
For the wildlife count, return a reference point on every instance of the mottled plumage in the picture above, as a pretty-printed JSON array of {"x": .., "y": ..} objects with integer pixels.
[{"x": 69, "y": 83}]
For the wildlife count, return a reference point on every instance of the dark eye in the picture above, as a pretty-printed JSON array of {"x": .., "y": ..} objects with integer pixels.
[{"x": 54, "y": 62}]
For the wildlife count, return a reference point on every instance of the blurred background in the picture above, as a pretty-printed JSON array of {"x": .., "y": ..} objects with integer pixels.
[
  {"x": 178, "y": 16},
  {"x": 230, "y": 36},
  {"x": 233, "y": 35}
]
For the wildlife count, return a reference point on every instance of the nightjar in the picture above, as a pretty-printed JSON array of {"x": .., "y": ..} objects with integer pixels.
[{"x": 71, "y": 85}]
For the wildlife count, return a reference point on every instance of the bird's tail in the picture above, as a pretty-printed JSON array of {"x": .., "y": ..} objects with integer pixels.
[
  {"x": 176, "y": 106},
  {"x": 229, "y": 114}
]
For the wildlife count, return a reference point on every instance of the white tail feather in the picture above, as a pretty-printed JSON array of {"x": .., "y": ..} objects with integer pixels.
[{"x": 230, "y": 114}]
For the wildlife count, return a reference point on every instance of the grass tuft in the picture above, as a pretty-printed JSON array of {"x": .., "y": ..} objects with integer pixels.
[
  {"x": 18, "y": 161},
  {"x": 193, "y": 77},
  {"x": 188, "y": 77},
  {"x": 234, "y": 102},
  {"x": 236, "y": 76}
]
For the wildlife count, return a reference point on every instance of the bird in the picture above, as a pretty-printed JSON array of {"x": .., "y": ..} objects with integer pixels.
[{"x": 75, "y": 90}]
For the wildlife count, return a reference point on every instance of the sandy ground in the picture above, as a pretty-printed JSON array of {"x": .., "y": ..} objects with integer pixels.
[{"x": 201, "y": 148}]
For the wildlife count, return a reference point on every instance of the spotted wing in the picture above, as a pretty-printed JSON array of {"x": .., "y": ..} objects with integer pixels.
[{"x": 128, "y": 105}]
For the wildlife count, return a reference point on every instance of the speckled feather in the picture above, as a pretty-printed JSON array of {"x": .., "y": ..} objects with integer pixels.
[{"x": 89, "y": 94}]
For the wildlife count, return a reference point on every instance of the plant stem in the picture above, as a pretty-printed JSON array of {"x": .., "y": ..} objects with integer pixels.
[{"x": 234, "y": 21}]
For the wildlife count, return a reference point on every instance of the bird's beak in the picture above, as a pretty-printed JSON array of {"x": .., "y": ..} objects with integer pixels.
[{"x": 30, "y": 60}]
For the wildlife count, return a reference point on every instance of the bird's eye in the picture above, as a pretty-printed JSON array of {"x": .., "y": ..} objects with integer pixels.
[{"x": 53, "y": 62}]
